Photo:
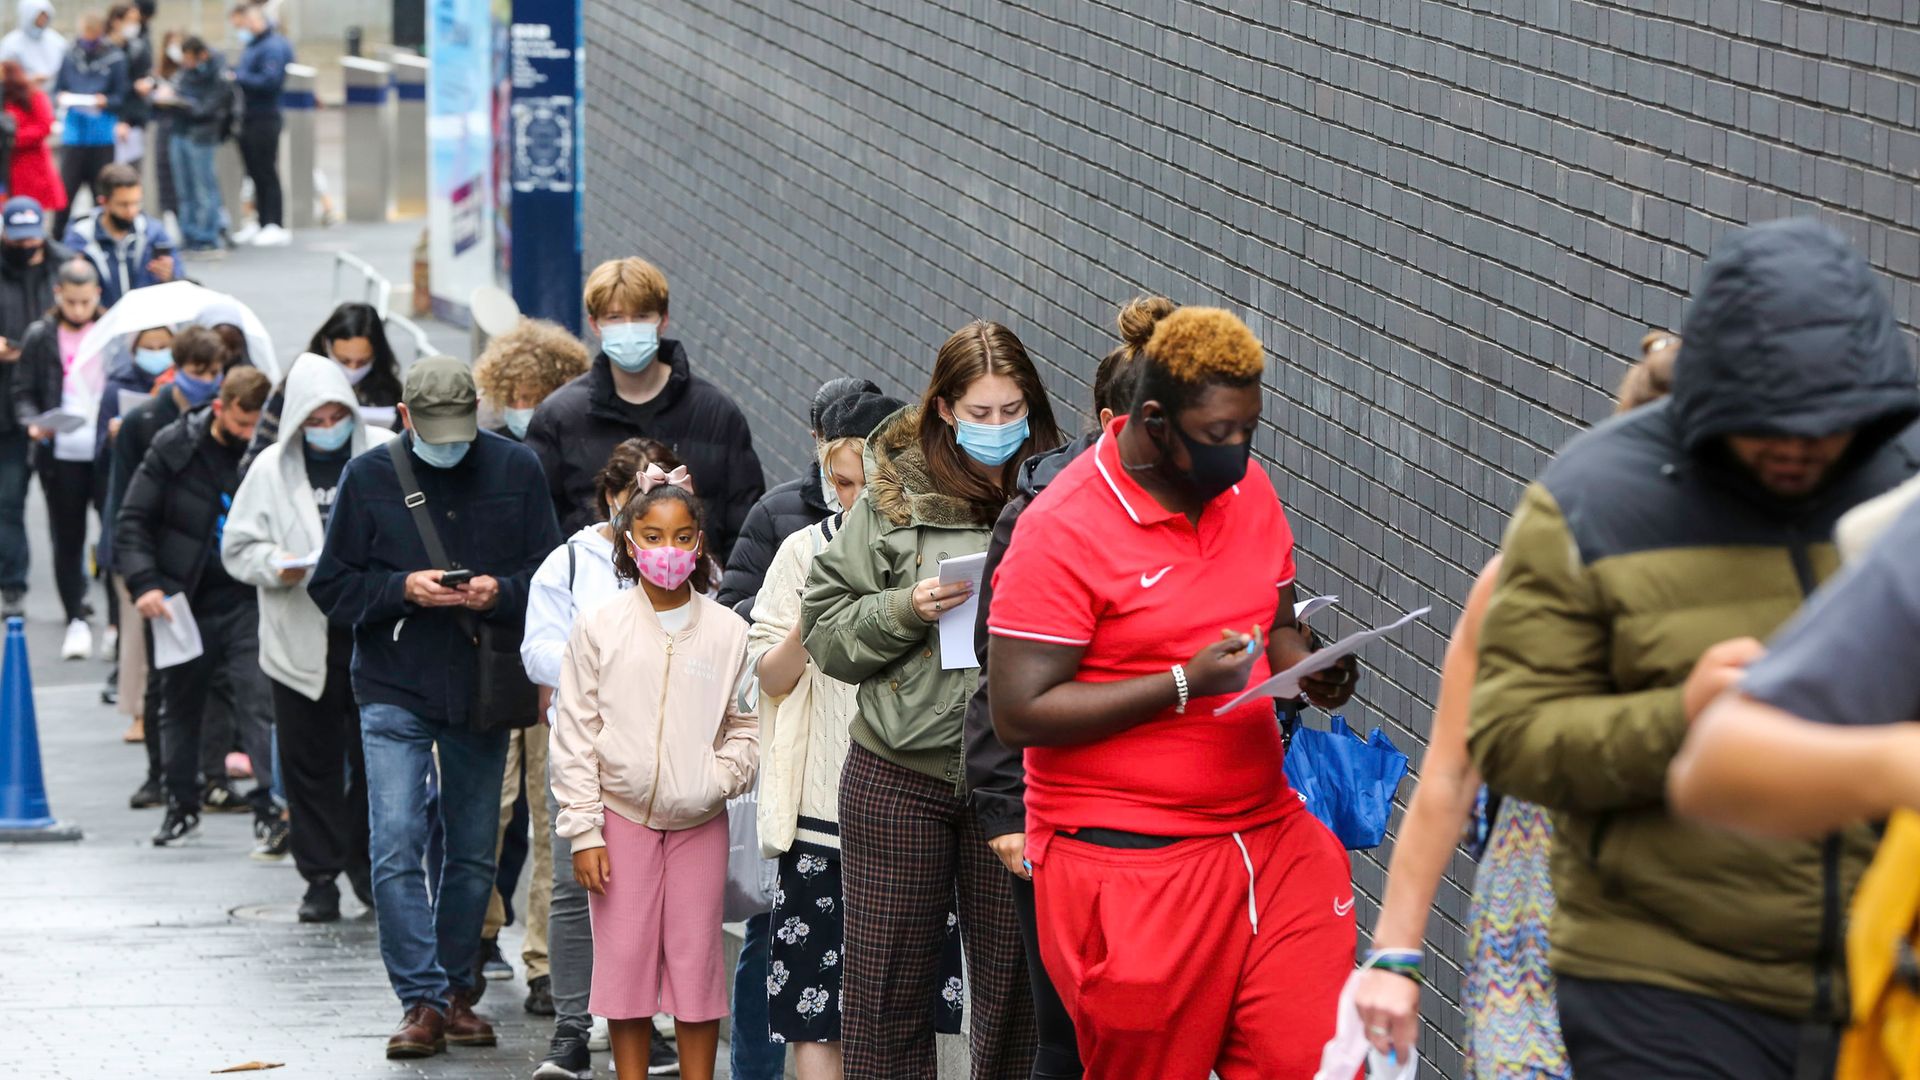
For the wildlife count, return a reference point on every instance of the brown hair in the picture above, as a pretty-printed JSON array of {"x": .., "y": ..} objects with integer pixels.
[
  {"x": 533, "y": 359},
  {"x": 234, "y": 340},
  {"x": 245, "y": 389},
  {"x": 15, "y": 88},
  {"x": 632, "y": 284},
  {"x": 1651, "y": 377},
  {"x": 977, "y": 349},
  {"x": 1118, "y": 376},
  {"x": 197, "y": 346},
  {"x": 113, "y": 178},
  {"x": 636, "y": 508},
  {"x": 627, "y": 462}
]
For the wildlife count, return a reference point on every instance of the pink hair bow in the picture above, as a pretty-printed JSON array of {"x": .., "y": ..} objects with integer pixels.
[{"x": 653, "y": 477}]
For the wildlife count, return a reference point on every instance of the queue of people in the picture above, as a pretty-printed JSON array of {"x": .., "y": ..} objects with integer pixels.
[{"x": 591, "y": 632}]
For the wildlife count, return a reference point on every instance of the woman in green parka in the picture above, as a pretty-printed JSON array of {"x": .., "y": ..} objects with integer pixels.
[{"x": 937, "y": 476}]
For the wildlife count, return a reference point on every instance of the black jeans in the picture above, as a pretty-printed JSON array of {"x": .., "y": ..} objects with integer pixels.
[
  {"x": 323, "y": 769},
  {"x": 229, "y": 670},
  {"x": 216, "y": 729},
  {"x": 79, "y": 167},
  {"x": 69, "y": 487},
  {"x": 1627, "y": 1031},
  {"x": 1058, "y": 1055},
  {"x": 14, "y": 446},
  {"x": 260, "y": 151}
]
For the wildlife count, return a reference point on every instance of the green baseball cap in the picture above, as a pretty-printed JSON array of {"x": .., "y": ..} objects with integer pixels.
[{"x": 441, "y": 401}]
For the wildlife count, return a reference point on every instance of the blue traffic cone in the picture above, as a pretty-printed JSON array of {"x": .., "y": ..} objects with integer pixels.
[{"x": 24, "y": 814}]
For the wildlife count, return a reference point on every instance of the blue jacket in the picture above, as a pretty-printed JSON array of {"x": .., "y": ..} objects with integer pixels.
[
  {"x": 104, "y": 71},
  {"x": 122, "y": 264},
  {"x": 494, "y": 517},
  {"x": 262, "y": 71}
]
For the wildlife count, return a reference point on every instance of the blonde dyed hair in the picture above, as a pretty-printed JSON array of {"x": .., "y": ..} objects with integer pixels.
[
  {"x": 1197, "y": 345},
  {"x": 632, "y": 285}
]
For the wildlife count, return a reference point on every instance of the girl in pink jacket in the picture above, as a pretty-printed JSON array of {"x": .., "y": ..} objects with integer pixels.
[{"x": 649, "y": 741}]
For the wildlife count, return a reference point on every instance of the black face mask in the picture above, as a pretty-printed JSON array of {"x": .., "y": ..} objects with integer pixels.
[
  {"x": 18, "y": 256},
  {"x": 121, "y": 224},
  {"x": 1212, "y": 469}
]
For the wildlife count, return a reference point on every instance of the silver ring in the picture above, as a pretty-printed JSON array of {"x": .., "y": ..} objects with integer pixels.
[{"x": 936, "y": 605}]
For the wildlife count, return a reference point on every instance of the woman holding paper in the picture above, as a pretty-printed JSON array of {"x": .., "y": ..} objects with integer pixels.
[
  {"x": 937, "y": 478},
  {"x": 273, "y": 537},
  {"x": 1193, "y": 915},
  {"x": 354, "y": 337}
]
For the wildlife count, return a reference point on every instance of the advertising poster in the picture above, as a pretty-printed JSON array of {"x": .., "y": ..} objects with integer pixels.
[{"x": 460, "y": 206}]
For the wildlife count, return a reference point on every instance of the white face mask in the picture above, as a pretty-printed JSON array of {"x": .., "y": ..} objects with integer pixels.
[
  {"x": 174, "y": 54},
  {"x": 829, "y": 495}
]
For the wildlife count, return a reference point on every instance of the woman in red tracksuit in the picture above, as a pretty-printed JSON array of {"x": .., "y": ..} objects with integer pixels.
[{"x": 1194, "y": 916}]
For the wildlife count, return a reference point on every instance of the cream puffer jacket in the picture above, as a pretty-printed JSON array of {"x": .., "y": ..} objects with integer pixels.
[{"x": 648, "y": 725}]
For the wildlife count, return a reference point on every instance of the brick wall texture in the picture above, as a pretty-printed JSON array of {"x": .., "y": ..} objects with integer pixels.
[{"x": 1449, "y": 222}]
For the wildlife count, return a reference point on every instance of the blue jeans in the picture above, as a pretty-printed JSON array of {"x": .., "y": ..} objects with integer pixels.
[
  {"x": 430, "y": 944},
  {"x": 197, "y": 184},
  {"x": 13, "y": 509},
  {"x": 755, "y": 1055}
]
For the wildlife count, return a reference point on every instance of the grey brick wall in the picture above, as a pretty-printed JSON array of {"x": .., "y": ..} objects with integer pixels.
[{"x": 1448, "y": 221}]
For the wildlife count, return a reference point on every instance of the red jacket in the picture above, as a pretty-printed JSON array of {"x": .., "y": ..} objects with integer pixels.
[{"x": 33, "y": 171}]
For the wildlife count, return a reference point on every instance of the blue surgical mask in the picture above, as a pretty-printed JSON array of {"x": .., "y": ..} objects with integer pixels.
[
  {"x": 328, "y": 439},
  {"x": 991, "y": 444},
  {"x": 440, "y": 455},
  {"x": 197, "y": 391},
  {"x": 631, "y": 346},
  {"x": 517, "y": 421},
  {"x": 245, "y": 35},
  {"x": 153, "y": 361}
]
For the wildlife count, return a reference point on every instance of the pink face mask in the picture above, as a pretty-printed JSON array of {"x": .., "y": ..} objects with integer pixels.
[{"x": 666, "y": 567}]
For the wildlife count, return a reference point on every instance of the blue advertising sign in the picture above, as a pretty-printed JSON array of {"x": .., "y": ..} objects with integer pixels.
[{"x": 546, "y": 173}]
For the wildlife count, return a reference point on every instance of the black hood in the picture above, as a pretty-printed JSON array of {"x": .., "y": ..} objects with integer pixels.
[
  {"x": 1041, "y": 469},
  {"x": 1791, "y": 333}
]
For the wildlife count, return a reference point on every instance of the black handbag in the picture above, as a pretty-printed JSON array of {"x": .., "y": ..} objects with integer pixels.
[{"x": 503, "y": 696}]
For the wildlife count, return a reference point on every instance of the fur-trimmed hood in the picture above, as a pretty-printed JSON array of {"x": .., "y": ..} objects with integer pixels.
[{"x": 900, "y": 487}]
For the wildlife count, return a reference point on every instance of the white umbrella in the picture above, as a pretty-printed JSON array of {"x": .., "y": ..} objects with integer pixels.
[{"x": 175, "y": 304}]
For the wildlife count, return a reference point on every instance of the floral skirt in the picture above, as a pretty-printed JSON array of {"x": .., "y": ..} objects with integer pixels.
[
  {"x": 803, "y": 954},
  {"x": 1513, "y": 1022}
]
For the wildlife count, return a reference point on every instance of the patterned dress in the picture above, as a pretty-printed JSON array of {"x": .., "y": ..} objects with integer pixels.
[{"x": 1514, "y": 1025}]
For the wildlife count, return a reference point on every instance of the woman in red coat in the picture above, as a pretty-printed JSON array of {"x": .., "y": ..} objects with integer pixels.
[{"x": 33, "y": 173}]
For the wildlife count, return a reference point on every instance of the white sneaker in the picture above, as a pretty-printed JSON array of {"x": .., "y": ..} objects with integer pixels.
[
  {"x": 273, "y": 236},
  {"x": 597, "y": 1038},
  {"x": 245, "y": 234},
  {"x": 79, "y": 643},
  {"x": 110, "y": 644}
]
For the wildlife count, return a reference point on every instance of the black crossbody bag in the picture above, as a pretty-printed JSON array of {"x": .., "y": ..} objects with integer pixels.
[{"x": 503, "y": 696}]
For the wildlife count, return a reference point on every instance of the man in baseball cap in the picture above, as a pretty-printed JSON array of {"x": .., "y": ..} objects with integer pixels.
[
  {"x": 28, "y": 264},
  {"x": 415, "y": 608}
]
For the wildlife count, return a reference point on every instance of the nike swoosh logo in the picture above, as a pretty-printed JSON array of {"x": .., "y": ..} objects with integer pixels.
[
  {"x": 1340, "y": 910},
  {"x": 1148, "y": 581}
]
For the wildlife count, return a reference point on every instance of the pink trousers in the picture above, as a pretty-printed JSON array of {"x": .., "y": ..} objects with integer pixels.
[{"x": 656, "y": 932}]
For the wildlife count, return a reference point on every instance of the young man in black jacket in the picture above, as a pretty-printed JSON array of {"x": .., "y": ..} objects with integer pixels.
[
  {"x": 784, "y": 510},
  {"x": 643, "y": 385},
  {"x": 167, "y": 543},
  {"x": 28, "y": 262},
  {"x": 414, "y": 669}
]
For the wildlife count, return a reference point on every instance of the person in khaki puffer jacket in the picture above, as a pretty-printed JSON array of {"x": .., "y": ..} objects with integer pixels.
[
  {"x": 1637, "y": 573},
  {"x": 648, "y": 744}
]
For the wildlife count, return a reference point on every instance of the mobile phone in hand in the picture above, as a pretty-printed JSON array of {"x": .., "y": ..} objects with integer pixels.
[{"x": 453, "y": 579}]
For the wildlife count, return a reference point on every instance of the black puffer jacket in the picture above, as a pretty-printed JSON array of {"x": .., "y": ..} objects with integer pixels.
[
  {"x": 576, "y": 428},
  {"x": 25, "y": 295},
  {"x": 784, "y": 510},
  {"x": 37, "y": 375},
  {"x": 165, "y": 531},
  {"x": 996, "y": 775}
]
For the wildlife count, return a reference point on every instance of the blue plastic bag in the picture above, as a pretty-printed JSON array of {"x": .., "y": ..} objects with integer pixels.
[{"x": 1346, "y": 782}]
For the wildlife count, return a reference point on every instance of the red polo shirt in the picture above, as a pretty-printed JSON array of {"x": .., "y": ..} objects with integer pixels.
[{"x": 1096, "y": 563}]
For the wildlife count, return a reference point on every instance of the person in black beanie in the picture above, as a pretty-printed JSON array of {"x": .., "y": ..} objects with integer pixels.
[{"x": 786, "y": 508}]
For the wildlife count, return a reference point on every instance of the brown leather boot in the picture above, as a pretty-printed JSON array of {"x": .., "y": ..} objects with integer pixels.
[
  {"x": 422, "y": 1033},
  {"x": 463, "y": 1027}
]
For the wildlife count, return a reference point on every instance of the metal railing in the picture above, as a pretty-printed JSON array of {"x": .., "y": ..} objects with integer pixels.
[{"x": 372, "y": 288}]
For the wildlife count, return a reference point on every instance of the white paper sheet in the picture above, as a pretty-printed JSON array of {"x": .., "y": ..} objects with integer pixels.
[
  {"x": 59, "y": 421},
  {"x": 86, "y": 103},
  {"x": 379, "y": 415},
  {"x": 177, "y": 641},
  {"x": 1287, "y": 683},
  {"x": 296, "y": 562},
  {"x": 957, "y": 623},
  {"x": 1305, "y": 608},
  {"x": 131, "y": 400}
]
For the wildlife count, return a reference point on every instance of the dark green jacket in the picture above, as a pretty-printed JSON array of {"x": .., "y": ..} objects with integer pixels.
[
  {"x": 861, "y": 625},
  {"x": 1642, "y": 545}
]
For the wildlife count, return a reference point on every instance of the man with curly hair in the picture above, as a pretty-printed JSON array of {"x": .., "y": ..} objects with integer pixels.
[{"x": 523, "y": 366}]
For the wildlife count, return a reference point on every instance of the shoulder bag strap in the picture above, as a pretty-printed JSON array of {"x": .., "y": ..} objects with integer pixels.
[{"x": 422, "y": 521}]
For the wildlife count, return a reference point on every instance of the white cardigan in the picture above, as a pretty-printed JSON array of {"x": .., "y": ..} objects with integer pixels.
[{"x": 274, "y": 516}]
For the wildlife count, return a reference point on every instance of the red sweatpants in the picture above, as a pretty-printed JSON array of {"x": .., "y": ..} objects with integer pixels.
[{"x": 1160, "y": 966}]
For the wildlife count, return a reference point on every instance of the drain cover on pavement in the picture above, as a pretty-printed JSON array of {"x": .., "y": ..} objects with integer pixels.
[{"x": 267, "y": 913}]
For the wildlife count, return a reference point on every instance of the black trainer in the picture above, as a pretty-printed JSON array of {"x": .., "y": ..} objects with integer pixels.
[
  {"x": 540, "y": 996},
  {"x": 493, "y": 964},
  {"x": 13, "y": 603},
  {"x": 147, "y": 796},
  {"x": 221, "y": 797},
  {"x": 179, "y": 824},
  {"x": 322, "y": 902},
  {"x": 361, "y": 878},
  {"x": 567, "y": 1057},
  {"x": 275, "y": 837},
  {"x": 662, "y": 1058}
]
